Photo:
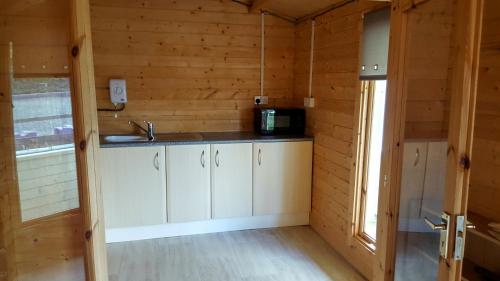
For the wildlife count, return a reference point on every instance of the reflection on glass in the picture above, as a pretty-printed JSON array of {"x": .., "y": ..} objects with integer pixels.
[
  {"x": 374, "y": 158},
  {"x": 421, "y": 195},
  {"x": 43, "y": 128}
]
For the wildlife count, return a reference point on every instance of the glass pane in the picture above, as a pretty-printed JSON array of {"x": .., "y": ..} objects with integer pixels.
[
  {"x": 45, "y": 153},
  {"x": 482, "y": 245},
  {"x": 374, "y": 158},
  {"x": 427, "y": 60}
]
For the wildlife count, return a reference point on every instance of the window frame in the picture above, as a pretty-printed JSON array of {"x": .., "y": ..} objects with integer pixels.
[
  {"x": 71, "y": 115},
  {"x": 365, "y": 114}
]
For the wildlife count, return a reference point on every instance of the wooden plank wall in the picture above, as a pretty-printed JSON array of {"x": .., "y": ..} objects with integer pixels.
[
  {"x": 44, "y": 249},
  {"x": 427, "y": 70},
  {"x": 335, "y": 87},
  {"x": 47, "y": 183},
  {"x": 485, "y": 172},
  {"x": 190, "y": 65}
]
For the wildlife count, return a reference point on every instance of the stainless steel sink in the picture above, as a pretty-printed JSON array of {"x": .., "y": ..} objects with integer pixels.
[{"x": 126, "y": 138}]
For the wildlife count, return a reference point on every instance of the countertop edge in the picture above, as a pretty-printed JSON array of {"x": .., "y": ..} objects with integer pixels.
[{"x": 220, "y": 140}]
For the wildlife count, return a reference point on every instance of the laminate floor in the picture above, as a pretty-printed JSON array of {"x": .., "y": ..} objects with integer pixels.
[
  {"x": 279, "y": 254},
  {"x": 417, "y": 256}
]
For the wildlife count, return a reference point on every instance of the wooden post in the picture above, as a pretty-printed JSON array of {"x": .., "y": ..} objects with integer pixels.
[
  {"x": 87, "y": 141},
  {"x": 392, "y": 148},
  {"x": 466, "y": 42},
  {"x": 7, "y": 171}
]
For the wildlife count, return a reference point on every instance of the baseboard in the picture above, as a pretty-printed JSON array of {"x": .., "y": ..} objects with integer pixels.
[{"x": 201, "y": 227}]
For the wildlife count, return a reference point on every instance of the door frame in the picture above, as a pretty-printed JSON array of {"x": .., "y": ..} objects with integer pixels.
[
  {"x": 466, "y": 41},
  {"x": 87, "y": 141},
  {"x": 87, "y": 146}
]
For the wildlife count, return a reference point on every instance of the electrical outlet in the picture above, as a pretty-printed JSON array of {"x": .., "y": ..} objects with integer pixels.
[
  {"x": 309, "y": 102},
  {"x": 258, "y": 100}
]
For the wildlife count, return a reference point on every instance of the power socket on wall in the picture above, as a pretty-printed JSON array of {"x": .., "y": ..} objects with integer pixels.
[
  {"x": 309, "y": 102},
  {"x": 258, "y": 100}
]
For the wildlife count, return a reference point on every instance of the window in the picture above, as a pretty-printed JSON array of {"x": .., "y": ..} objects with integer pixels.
[
  {"x": 369, "y": 158},
  {"x": 42, "y": 114},
  {"x": 45, "y": 153}
]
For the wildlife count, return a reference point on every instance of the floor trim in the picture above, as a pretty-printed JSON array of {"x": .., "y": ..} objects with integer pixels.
[{"x": 201, "y": 227}]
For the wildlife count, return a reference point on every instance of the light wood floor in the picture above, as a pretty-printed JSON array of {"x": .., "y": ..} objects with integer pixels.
[
  {"x": 291, "y": 253},
  {"x": 417, "y": 256}
]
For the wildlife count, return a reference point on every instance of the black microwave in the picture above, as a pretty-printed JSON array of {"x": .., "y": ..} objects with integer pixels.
[{"x": 280, "y": 121}]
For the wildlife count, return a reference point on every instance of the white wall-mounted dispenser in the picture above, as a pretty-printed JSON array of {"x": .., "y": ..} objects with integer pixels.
[{"x": 118, "y": 91}]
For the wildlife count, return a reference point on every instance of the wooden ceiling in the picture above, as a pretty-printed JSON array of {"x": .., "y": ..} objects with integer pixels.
[{"x": 293, "y": 9}]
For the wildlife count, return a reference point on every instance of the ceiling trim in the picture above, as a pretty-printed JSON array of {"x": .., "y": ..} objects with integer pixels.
[
  {"x": 324, "y": 10},
  {"x": 256, "y": 6}
]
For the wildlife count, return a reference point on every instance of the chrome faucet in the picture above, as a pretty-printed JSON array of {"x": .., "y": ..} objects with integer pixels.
[{"x": 150, "y": 131}]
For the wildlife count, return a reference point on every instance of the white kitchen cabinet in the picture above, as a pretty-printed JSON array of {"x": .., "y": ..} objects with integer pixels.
[
  {"x": 231, "y": 180},
  {"x": 188, "y": 183},
  {"x": 282, "y": 174},
  {"x": 133, "y": 186}
]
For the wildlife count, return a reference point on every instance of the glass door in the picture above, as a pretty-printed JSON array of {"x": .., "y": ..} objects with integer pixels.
[
  {"x": 438, "y": 95},
  {"x": 482, "y": 247}
]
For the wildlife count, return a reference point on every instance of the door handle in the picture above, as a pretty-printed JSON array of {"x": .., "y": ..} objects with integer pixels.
[
  {"x": 156, "y": 163},
  {"x": 259, "y": 157},
  {"x": 202, "y": 159},
  {"x": 217, "y": 162},
  {"x": 462, "y": 225},
  {"x": 417, "y": 157},
  {"x": 444, "y": 228},
  {"x": 470, "y": 225},
  {"x": 434, "y": 226}
]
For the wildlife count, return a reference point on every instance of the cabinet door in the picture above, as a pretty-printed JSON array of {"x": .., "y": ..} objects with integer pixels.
[
  {"x": 231, "y": 180},
  {"x": 188, "y": 182},
  {"x": 282, "y": 178},
  {"x": 134, "y": 187}
]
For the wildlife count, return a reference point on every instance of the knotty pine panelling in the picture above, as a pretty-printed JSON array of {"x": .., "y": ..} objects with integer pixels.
[
  {"x": 485, "y": 169},
  {"x": 427, "y": 61},
  {"x": 191, "y": 65},
  {"x": 39, "y": 33},
  {"x": 335, "y": 87}
]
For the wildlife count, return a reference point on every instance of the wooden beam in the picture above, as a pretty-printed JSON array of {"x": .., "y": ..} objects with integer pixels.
[
  {"x": 87, "y": 141},
  {"x": 465, "y": 64},
  {"x": 394, "y": 134}
]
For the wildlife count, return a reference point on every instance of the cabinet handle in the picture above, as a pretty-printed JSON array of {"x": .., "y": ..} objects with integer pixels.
[
  {"x": 217, "y": 162},
  {"x": 202, "y": 159},
  {"x": 156, "y": 162},
  {"x": 417, "y": 157},
  {"x": 259, "y": 157}
]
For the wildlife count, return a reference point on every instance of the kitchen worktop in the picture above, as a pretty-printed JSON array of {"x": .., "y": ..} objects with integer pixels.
[{"x": 203, "y": 138}]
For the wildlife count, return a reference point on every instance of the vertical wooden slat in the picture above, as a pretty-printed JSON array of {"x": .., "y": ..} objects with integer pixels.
[
  {"x": 7, "y": 170},
  {"x": 463, "y": 86},
  {"x": 87, "y": 141},
  {"x": 392, "y": 152}
]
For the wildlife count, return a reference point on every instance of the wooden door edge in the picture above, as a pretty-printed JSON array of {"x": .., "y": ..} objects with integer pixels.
[
  {"x": 87, "y": 141},
  {"x": 467, "y": 70}
]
